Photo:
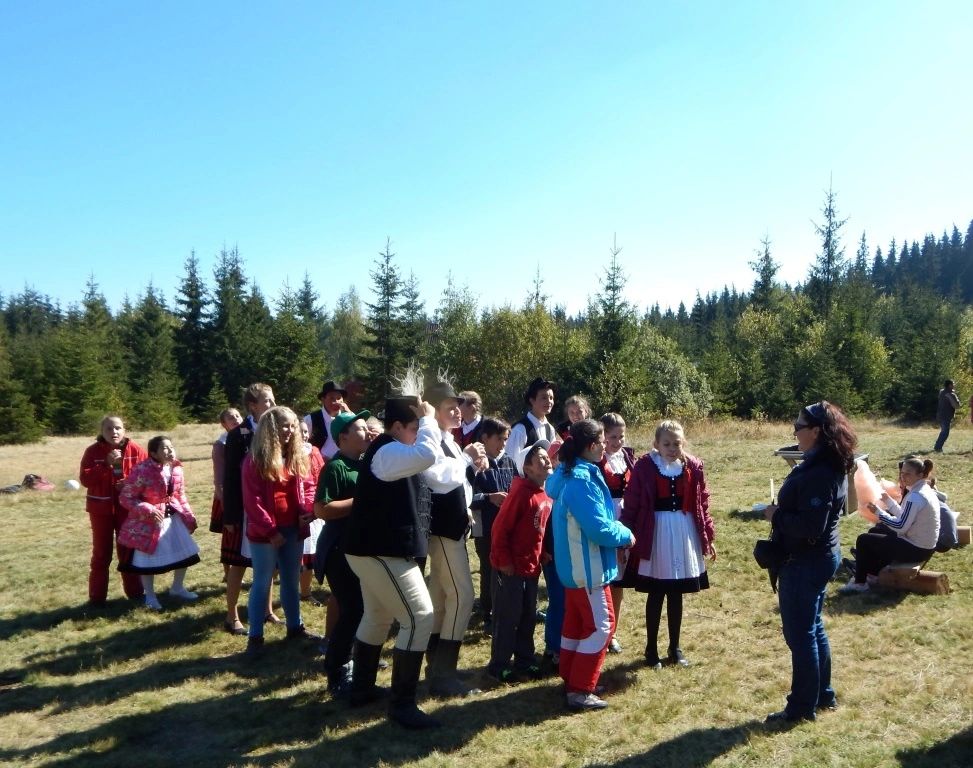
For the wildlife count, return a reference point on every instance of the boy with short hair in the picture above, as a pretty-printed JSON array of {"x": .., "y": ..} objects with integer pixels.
[
  {"x": 534, "y": 425},
  {"x": 333, "y": 503},
  {"x": 489, "y": 490},
  {"x": 517, "y": 555}
]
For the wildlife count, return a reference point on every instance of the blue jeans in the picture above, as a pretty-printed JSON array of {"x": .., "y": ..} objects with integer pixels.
[
  {"x": 555, "y": 609},
  {"x": 944, "y": 426},
  {"x": 800, "y": 591},
  {"x": 287, "y": 559}
]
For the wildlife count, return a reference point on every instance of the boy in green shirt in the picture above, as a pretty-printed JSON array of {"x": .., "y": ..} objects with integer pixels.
[{"x": 332, "y": 503}]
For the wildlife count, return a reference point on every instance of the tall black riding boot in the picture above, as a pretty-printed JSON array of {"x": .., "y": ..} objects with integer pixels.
[
  {"x": 406, "y": 666},
  {"x": 441, "y": 673},
  {"x": 363, "y": 673}
]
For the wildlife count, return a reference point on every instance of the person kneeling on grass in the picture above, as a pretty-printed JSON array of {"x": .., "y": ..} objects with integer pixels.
[
  {"x": 516, "y": 556},
  {"x": 586, "y": 536},
  {"x": 160, "y": 522}
]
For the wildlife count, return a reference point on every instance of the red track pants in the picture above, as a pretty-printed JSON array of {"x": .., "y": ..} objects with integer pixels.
[{"x": 589, "y": 623}]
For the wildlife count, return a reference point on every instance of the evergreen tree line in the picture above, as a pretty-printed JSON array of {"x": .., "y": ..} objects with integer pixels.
[{"x": 876, "y": 333}]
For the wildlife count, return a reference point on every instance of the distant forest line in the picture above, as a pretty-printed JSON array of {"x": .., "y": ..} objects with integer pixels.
[{"x": 876, "y": 332}]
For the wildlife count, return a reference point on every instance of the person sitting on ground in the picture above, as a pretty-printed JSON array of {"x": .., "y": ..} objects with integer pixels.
[{"x": 906, "y": 533}]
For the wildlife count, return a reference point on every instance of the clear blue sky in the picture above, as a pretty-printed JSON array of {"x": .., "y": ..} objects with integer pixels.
[{"x": 484, "y": 139}]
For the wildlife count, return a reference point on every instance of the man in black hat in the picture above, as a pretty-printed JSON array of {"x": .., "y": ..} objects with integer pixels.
[
  {"x": 450, "y": 580},
  {"x": 332, "y": 399},
  {"x": 534, "y": 425}
]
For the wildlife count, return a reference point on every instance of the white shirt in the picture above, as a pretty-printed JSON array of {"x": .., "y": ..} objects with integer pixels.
[
  {"x": 467, "y": 428},
  {"x": 396, "y": 460},
  {"x": 330, "y": 448},
  {"x": 518, "y": 435},
  {"x": 449, "y": 472}
]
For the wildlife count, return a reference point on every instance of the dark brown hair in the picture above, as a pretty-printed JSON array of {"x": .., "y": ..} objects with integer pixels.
[
  {"x": 837, "y": 440},
  {"x": 583, "y": 433}
]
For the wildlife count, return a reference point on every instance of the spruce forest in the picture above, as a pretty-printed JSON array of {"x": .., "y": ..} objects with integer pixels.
[{"x": 876, "y": 331}]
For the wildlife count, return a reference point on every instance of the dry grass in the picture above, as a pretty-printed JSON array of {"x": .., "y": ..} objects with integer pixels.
[{"x": 125, "y": 686}]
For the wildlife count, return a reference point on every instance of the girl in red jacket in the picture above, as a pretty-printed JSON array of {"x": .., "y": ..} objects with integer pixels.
[
  {"x": 278, "y": 502},
  {"x": 667, "y": 508},
  {"x": 104, "y": 466},
  {"x": 516, "y": 556},
  {"x": 160, "y": 522}
]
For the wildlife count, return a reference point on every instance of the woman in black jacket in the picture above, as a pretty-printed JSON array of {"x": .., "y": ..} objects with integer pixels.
[{"x": 805, "y": 525}]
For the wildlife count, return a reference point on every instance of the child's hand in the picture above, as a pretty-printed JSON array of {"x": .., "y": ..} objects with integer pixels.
[
  {"x": 770, "y": 511},
  {"x": 506, "y": 570},
  {"x": 158, "y": 515},
  {"x": 496, "y": 499},
  {"x": 546, "y": 558},
  {"x": 712, "y": 553}
]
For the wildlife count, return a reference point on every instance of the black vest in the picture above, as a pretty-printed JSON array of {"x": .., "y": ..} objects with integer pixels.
[
  {"x": 529, "y": 428},
  {"x": 388, "y": 519},
  {"x": 450, "y": 518},
  {"x": 319, "y": 433}
]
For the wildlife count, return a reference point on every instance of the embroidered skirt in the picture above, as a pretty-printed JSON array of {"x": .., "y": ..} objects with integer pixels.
[
  {"x": 230, "y": 548},
  {"x": 176, "y": 549},
  {"x": 216, "y": 516},
  {"x": 677, "y": 562}
]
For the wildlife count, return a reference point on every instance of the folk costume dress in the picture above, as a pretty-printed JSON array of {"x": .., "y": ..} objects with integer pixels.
[
  {"x": 668, "y": 504},
  {"x": 159, "y": 546}
]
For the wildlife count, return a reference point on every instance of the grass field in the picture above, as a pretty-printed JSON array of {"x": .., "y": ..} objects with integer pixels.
[{"x": 122, "y": 686}]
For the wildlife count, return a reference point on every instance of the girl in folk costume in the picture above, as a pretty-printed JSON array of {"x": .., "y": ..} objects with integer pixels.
[
  {"x": 576, "y": 408},
  {"x": 230, "y": 418},
  {"x": 104, "y": 465},
  {"x": 666, "y": 504},
  {"x": 616, "y": 467},
  {"x": 278, "y": 499},
  {"x": 160, "y": 522}
]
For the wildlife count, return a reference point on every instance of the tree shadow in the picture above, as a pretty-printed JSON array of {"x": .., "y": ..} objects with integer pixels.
[
  {"x": 42, "y": 621},
  {"x": 747, "y": 514},
  {"x": 302, "y": 732},
  {"x": 954, "y": 752},
  {"x": 692, "y": 749}
]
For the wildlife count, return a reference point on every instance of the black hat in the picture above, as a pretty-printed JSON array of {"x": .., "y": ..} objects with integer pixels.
[
  {"x": 441, "y": 390},
  {"x": 537, "y": 385},
  {"x": 399, "y": 408},
  {"x": 329, "y": 387}
]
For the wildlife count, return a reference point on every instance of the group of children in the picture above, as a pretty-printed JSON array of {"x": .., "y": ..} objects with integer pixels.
[{"x": 570, "y": 503}]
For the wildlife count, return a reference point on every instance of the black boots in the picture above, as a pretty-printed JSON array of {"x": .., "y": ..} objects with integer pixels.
[
  {"x": 365, "y": 668},
  {"x": 441, "y": 672},
  {"x": 406, "y": 666}
]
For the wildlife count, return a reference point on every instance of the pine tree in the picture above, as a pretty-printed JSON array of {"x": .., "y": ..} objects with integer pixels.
[
  {"x": 383, "y": 355},
  {"x": 18, "y": 420},
  {"x": 829, "y": 266},
  {"x": 762, "y": 295},
  {"x": 346, "y": 337},
  {"x": 153, "y": 376},
  {"x": 295, "y": 365},
  {"x": 192, "y": 347},
  {"x": 415, "y": 324}
]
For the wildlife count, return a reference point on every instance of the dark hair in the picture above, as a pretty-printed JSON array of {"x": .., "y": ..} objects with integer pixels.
[
  {"x": 582, "y": 434},
  {"x": 917, "y": 464},
  {"x": 533, "y": 452},
  {"x": 948, "y": 383},
  {"x": 537, "y": 385},
  {"x": 156, "y": 442},
  {"x": 398, "y": 408},
  {"x": 836, "y": 439},
  {"x": 493, "y": 426}
]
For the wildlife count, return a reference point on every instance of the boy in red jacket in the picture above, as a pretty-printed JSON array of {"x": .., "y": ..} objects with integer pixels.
[{"x": 516, "y": 554}]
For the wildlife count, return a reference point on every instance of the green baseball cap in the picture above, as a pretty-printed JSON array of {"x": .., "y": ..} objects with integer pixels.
[{"x": 340, "y": 422}]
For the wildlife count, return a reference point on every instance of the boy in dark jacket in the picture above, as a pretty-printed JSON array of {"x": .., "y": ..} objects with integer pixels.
[
  {"x": 517, "y": 556},
  {"x": 489, "y": 490}
]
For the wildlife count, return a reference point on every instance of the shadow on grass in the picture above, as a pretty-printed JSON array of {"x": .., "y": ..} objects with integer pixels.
[
  {"x": 862, "y": 603},
  {"x": 692, "y": 749},
  {"x": 954, "y": 752},
  {"x": 747, "y": 514},
  {"x": 304, "y": 729}
]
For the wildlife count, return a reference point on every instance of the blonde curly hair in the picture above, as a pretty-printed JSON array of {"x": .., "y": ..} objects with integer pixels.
[{"x": 271, "y": 458}]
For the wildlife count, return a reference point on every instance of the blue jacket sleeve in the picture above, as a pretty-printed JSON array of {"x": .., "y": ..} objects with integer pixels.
[{"x": 587, "y": 503}]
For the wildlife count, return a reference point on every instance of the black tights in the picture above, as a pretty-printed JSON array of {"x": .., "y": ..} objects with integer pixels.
[{"x": 653, "y": 617}]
